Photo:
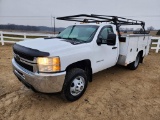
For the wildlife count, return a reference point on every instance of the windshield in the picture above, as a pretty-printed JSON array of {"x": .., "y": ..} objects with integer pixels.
[{"x": 83, "y": 33}]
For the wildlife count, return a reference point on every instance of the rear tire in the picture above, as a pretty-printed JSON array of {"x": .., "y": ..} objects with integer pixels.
[
  {"x": 75, "y": 84},
  {"x": 134, "y": 65}
]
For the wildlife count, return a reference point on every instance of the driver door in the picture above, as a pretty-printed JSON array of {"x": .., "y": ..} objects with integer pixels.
[{"x": 106, "y": 54}]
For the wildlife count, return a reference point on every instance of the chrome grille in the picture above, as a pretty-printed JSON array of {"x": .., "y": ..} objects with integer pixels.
[{"x": 25, "y": 63}]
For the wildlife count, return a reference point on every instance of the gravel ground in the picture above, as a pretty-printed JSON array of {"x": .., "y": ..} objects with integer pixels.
[{"x": 115, "y": 94}]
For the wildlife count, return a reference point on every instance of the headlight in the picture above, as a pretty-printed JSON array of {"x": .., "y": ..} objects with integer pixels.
[{"x": 48, "y": 64}]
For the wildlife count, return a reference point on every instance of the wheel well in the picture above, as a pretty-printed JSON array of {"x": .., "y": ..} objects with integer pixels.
[
  {"x": 85, "y": 65},
  {"x": 141, "y": 56}
]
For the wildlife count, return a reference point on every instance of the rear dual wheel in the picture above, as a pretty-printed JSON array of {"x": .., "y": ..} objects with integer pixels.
[{"x": 134, "y": 65}]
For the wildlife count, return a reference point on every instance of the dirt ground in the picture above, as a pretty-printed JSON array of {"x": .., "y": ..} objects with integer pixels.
[{"x": 115, "y": 94}]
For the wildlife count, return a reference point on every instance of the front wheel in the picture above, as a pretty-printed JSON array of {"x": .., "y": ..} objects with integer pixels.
[
  {"x": 75, "y": 84},
  {"x": 134, "y": 65}
]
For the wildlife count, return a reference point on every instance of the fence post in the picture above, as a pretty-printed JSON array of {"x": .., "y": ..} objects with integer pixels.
[
  {"x": 2, "y": 40},
  {"x": 25, "y": 36},
  {"x": 158, "y": 46}
]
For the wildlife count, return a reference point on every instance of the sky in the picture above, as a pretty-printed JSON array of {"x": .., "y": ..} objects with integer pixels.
[{"x": 41, "y": 12}]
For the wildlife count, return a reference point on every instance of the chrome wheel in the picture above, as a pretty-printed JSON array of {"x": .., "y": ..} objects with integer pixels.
[{"x": 77, "y": 86}]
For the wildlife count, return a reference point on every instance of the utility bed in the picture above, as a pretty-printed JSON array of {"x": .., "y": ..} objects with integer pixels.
[{"x": 130, "y": 45}]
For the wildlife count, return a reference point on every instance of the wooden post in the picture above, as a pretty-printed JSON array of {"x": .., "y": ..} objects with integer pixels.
[
  {"x": 158, "y": 46},
  {"x": 2, "y": 40},
  {"x": 25, "y": 36}
]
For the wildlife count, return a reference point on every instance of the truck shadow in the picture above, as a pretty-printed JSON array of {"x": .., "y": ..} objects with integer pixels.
[{"x": 118, "y": 69}]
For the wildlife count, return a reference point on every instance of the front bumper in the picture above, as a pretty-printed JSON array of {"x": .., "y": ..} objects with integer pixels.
[{"x": 41, "y": 82}]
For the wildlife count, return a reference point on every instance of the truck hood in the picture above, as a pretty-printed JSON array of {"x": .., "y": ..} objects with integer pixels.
[{"x": 53, "y": 46}]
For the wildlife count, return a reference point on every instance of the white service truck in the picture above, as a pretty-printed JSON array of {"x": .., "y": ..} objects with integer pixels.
[{"x": 66, "y": 63}]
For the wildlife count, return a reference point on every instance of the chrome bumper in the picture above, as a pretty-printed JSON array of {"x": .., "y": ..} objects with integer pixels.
[{"x": 42, "y": 82}]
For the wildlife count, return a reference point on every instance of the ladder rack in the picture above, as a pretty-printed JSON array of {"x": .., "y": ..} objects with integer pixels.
[{"x": 118, "y": 21}]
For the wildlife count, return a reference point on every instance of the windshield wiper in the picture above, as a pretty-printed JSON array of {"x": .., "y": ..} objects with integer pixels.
[
  {"x": 73, "y": 39},
  {"x": 77, "y": 40},
  {"x": 64, "y": 38},
  {"x": 58, "y": 37}
]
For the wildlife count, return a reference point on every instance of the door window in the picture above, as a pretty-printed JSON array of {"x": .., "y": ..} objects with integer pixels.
[{"x": 104, "y": 34}]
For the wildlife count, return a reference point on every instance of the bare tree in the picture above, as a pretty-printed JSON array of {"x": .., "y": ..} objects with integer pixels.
[{"x": 150, "y": 28}]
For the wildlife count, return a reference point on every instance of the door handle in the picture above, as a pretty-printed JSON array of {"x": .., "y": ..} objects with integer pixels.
[{"x": 114, "y": 47}]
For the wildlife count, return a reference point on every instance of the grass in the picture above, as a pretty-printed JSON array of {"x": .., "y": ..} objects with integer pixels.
[
  {"x": 10, "y": 35},
  {"x": 154, "y": 45}
]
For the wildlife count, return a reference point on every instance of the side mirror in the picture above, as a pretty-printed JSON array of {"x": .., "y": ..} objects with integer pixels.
[
  {"x": 111, "y": 39},
  {"x": 99, "y": 41}
]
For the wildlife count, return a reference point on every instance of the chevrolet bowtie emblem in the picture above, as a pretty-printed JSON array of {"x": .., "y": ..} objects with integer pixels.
[{"x": 18, "y": 58}]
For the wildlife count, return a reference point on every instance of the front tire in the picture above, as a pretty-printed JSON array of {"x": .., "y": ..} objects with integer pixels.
[
  {"x": 134, "y": 65},
  {"x": 75, "y": 84}
]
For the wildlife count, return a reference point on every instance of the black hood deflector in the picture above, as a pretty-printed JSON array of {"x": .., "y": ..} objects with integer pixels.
[{"x": 29, "y": 53}]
